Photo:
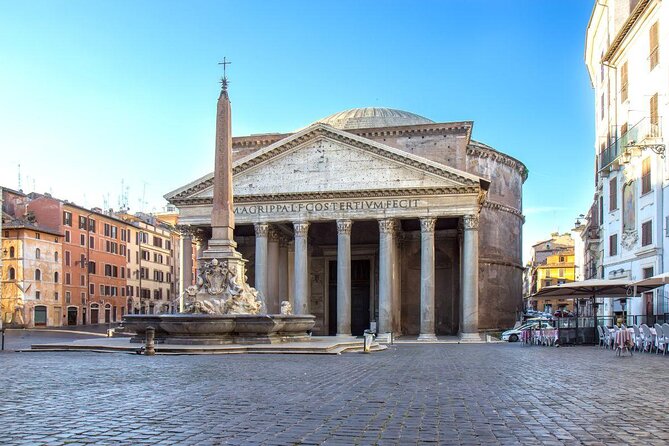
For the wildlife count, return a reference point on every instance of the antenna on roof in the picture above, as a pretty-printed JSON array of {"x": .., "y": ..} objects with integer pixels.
[{"x": 19, "y": 176}]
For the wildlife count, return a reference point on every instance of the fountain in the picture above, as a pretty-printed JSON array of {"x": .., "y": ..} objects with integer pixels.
[{"x": 222, "y": 308}]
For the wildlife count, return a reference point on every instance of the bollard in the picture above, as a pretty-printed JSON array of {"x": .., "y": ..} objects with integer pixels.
[
  {"x": 368, "y": 338},
  {"x": 150, "y": 341}
]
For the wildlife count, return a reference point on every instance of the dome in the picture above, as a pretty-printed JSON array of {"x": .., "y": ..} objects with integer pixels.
[{"x": 372, "y": 117}]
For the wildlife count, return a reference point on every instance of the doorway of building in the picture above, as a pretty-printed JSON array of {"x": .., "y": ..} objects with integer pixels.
[
  {"x": 40, "y": 316},
  {"x": 360, "y": 296},
  {"x": 94, "y": 315},
  {"x": 71, "y": 316},
  {"x": 107, "y": 313}
]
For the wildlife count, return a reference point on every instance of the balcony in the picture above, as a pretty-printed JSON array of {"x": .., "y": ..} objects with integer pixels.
[{"x": 644, "y": 134}]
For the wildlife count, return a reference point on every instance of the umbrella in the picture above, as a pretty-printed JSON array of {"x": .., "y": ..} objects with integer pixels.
[
  {"x": 652, "y": 282},
  {"x": 590, "y": 287}
]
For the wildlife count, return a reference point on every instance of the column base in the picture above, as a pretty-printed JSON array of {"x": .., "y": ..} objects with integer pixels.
[
  {"x": 471, "y": 338},
  {"x": 385, "y": 338},
  {"x": 427, "y": 337}
]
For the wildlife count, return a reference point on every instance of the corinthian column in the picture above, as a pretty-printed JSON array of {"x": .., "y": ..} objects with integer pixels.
[
  {"x": 301, "y": 294},
  {"x": 273, "y": 272},
  {"x": 386, "y": 251},
  {"x": 427, "y": 332},
  {"x": 344, "y": 277},
  {"x": 261, "y": 260},
  {"x": 469, "y": 324}
]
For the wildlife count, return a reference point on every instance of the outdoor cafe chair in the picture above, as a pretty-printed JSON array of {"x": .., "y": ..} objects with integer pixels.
[
  {"x": 607, "y": 338},
  {"x": 600, "y": 332},
  {"x": 665, "y": 331},
  {"x": 647, "y": 338},
  {"x": 638, "y": 339},
  {"x": 660, "y": 339}
]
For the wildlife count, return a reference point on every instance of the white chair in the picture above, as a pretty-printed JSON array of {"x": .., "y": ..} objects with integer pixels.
[
  {"x": 600, "y": 332},
  {"x": 665, "y": 331},
  {"x": 638, "y": 339},
  {"x": 608, "y": 340},
  {"x": 647, "y": 338},
  {"x": 660, "y": 339}
]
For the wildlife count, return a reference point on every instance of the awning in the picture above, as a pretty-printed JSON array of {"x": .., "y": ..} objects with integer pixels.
[
  {"x": 614, "y": 288},
  {"x": 653, "y": 282}
]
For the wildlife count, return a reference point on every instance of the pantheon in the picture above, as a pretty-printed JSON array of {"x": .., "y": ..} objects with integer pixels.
[{"x": 375, "y": 218}]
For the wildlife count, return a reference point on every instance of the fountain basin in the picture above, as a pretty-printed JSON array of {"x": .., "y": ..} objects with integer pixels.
[{"x": 212, "y": 329}]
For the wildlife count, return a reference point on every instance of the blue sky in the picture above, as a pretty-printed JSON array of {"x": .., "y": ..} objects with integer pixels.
[{"x": 95, "y": 93}]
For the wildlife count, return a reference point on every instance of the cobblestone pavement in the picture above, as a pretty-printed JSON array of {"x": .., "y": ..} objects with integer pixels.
[{"x": 410, "y": 394}]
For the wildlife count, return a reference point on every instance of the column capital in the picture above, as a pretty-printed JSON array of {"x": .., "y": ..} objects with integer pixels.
[
  {"x": 273, "y": 235},
  {"x": 262, "y": 229},
  {"x": 344, "y": 227},
  {"x": 470, "y": 222},
  {"x": 283, "y": 241},
  {"x": 301, "y": 228},
  {"x": 387, "y": 226},
  {"x": 427, "y": 224}
]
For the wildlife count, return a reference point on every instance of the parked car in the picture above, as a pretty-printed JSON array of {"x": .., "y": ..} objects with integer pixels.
[
  {"x": 513, "y": 335},
  {"x": 563, "y": 313}
]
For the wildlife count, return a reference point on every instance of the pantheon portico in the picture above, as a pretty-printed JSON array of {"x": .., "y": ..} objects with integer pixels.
[{"x": 375, "y": 217}]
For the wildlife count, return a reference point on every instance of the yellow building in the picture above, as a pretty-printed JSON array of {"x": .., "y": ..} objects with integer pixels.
[
  {"x": 31, "y": 276},
  {"x": 559, "y": 268}
]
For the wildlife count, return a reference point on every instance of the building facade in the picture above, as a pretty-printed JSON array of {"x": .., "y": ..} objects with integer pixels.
[
  {"x": 355, "y": 210},
  {"x": 626, "y": 55},
  {"x": 31, "y": 276}
]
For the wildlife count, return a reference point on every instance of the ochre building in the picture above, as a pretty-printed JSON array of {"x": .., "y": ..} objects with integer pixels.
[{"x": 381, "y": 218}]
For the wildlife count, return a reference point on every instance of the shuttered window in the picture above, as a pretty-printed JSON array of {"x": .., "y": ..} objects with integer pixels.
[
  {"x": 654, "y": 56},
  {"x": 647, "y": 233},
  {"x": 654, "y": 117},
  {"x": 623, "y": 82},
  {"x": 613, "y": 194},
  {"x": 645, "y": 176},
  {"x": 613, "y": 245}
]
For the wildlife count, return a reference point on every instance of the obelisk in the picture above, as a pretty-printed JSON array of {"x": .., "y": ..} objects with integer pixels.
[{"x": 222, "y": 244}]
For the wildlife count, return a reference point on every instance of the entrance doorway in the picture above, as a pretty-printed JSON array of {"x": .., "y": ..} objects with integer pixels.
[
  {"x": 360, "y": 296},
  {"x": 72, "y": 316},
  {"x": 40, "y": 316},
  {"x": 107, "y": 314},
  {"x": 94, "y": 315}
]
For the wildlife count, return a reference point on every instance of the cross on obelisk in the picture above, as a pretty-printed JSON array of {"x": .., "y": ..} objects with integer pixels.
[{"x": 224, "y": 80}]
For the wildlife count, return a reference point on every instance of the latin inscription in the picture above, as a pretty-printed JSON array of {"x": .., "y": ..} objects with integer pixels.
[{"x": 334, "y": 206}]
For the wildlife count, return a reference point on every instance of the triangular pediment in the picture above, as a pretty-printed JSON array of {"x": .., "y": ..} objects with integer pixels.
[{"x": 323, "y": 160}]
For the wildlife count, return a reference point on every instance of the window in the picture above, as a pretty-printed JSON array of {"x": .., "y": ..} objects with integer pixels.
[
  {"x": 107, "y": 230},
  {"x": 146, "y": 255},
  {"x": 67, "y": 218},
  {"x": 11, "y": 273},
  {"x": 91, "y": 289},
  {"x": 561, "y": 259},
  {"x": 55, "y": 256},
  {"x": 647, "y": 272},
  {"x": 82, "y": 239},
  {"x": 37, "y": 236},
  {"x": 623, "y": 82},
  {"x": 38, "y": 274},
  {"x": 601, "y": 102},
  {"x": 83, "y": 298},
  {"x": 11, "y": 252},
  {"x": 68, "y": 297},
  {"x": 55, "y": 277},
  {"x": 91, "y": 267},
  {"x": 653, "y": 35},
  {"x": 561, "y": 272},
  {"x": 67, "y": 278},
  {"x": 38, "y": 295},
  {"x": 647, "y": 233},
  {"x": 654, "y": 117},
  {"x": 91, "y": 225},
  {"x": 82, "y": 261},
  {"x": 113, "y": 232},
  {"x": 91, "y": 242},
  {"x": 645, "y": 176},
  {"x": 623, "y": 129},
  {"x": 613, "y": 245},
  {"x": 548, "y": 273},
  {"x": 613, "y": 194},
  {"x": 82, "y": 222},
  {"x": 67, "y": 258},
  {"x": 601, "y": 210},
  {"x": 67, "y": 236},
  {"x": 38, "y": 253},
  {"x": 157, "y": 241},
  {"x": 82, "y": 280},
  {"x": 55, "y": 295}
]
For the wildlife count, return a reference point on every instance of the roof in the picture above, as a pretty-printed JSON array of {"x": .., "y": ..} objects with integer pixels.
[
  {"x": 373, "y": 117},
  {"x": 32, "y": 226}
]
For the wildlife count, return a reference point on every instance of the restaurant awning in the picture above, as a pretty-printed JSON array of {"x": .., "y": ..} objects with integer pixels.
[
  {"x": 614, "y": 288},
  {"x": 653, "y": 282}
]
